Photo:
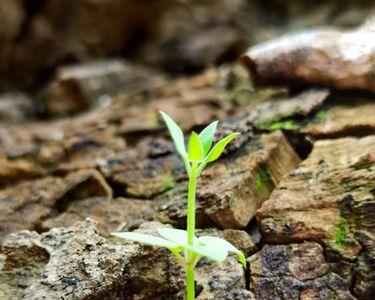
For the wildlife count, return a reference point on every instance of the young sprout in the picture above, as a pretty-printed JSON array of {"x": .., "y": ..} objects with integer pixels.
[{"x": 187, "y": 248}]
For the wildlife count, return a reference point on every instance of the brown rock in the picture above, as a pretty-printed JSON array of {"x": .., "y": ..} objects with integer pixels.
[
  {"x": 221, "y": 281},
  {"x": 142, "y": 178},
  {"x": 231, "y": 197},
  {"x": 342, "y": 60},
  {"x": 328, "y": 199},
  {"x": 266, "y": 114},
  {"x": 231, "y": 190},
  {"x": 169, "y": 35},
  {"x": 295, "y": 271},
  {"x": 24, "y": 206},
  {"x": 120, "y": 214},
  {"x": 364, "y": 272},
  {"x": 16, "y": 107},
  {"x": 340, "y": 121},
  {"x": 23, "y": 258},
  {"x": 77, "y": 263},
  {"x": 198, "y": 36},
  {"x": 12, "y": 14},
  {"x": 78, "y": 87},
  {"x": 49, "y": 36}
]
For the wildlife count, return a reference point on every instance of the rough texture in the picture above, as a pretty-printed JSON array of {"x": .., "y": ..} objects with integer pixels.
[
  {"x": 78, "y": 87},
  {"x": 328, "y": 199},
  {"x": 268, "y": 114},
  {"x": 16, "y": 107},
  {"x": 92, "y": 139},
  {"x": 38, "y": 36},
  {"x": 295, "y": 271},
  {"x": 231, "y": 190},
  {"x": 344, "y": 120},
  {"x": 26, "y": 205},
  {"x": 342, "y": 60},
  {"x": 117, "y": 214},
  {"x": 77, "y": 263}
]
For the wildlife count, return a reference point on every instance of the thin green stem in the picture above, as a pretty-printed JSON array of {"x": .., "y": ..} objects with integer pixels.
[
  {"x": 190, "y": 288},
  {"x": 190, "y": 265},
  {"x": 191, "y": 205}
]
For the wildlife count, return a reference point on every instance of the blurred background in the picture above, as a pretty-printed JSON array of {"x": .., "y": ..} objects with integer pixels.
[{"x": 173, "y": 37}]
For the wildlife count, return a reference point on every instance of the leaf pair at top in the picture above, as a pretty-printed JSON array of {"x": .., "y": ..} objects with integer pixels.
[
  {"x": 200, "y": 148},
  {"x": 176, "y": 241}
]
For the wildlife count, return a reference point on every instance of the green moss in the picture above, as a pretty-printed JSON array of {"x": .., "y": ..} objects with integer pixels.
[
  {"x": 321, "y": 115},
  {"x": 263, "y": 179},
  {"x": 350, "y": 256},
  {"x": 281, "y": 124},
  {"x": 341, "y": 233},
  {"x": 344, "y": 240},
  {"x": 232, "y": 200}
]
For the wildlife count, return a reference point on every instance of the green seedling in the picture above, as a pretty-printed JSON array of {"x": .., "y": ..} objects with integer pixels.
[{"x": 187, "y": 248}]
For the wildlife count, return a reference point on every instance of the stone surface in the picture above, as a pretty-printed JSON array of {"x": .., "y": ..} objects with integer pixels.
[
  {"x": 327, "y": 199},
  {"x": 268, "y": 114},
  {"x": 43, "y": 35},
  {"x": 16, "y": 107},
  {"x": 13, "y": 14},
  {"x": 224, "y": 281},
  {"x": 77, "y": 263},
  {"x": 170, "y": 35},
  {"x": 118, "y": 214},
  {"x": 231, "y": 190},
  {"x": 92, "y": 139},
  {"x": 78, "y": 87},
  {"x": 364, "y": 272},
  {"x": 342, "y": 60},
  {"x": 343, "y": 120},
  {"x": 294, "y": 271},
  {"x": 26, "y": 205}
]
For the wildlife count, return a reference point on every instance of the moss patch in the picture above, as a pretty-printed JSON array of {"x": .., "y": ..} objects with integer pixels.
[
  {"x": 341, "y": 233},
  {"x": 288, "y": 124},
  {"x": 263, "y": 179},
  {"x": 344, "y": 241}
]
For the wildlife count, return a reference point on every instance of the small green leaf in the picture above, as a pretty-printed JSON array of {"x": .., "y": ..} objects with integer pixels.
[
  {"x": 206, "y": 136},
  {"x": 195, "y": 148},
  {"x": 216, "y": 254},
  {"x": 218, "y": 149},
  {"x": 145, "y": 239},
  {"x": 217, "y": 243},
  {"x": 176, "y": 134},
  {"x": 177, "y": 236}
]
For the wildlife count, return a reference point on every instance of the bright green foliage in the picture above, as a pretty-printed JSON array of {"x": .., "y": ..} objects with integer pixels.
[
  {"x": 176, "y": 240},
  {"x": 187, "y": 248},
  {"x": 195, "y": 148},
  {"x": 177, "y": 236},
  {"x": 176, "y": 134},
  {"x": 145, "y": 239},
  {"x": 218, "y": 149},
  {"x": 206, "y": 136},
  {"x": 221, "y": 245}
]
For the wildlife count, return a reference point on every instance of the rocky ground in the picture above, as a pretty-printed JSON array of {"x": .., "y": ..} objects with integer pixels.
[{"x": 295, "y": 192}]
